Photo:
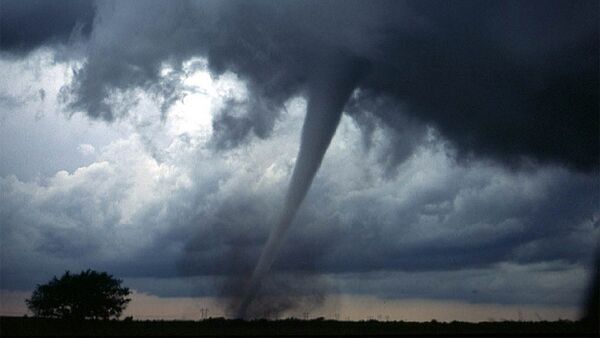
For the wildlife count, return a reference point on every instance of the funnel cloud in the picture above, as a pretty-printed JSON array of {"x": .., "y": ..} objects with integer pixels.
[{"x": 330, "y": 87}]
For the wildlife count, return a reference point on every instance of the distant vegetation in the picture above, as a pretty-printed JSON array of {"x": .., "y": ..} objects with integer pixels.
[
  {"x": 23, "y": 326},
  {"x": 87, "y": 295}
]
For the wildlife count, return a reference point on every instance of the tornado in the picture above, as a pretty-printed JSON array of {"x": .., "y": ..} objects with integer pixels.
[{"x": 328, "y": 90}]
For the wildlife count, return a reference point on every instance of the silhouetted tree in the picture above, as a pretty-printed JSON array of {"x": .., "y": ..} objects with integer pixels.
[{"x": 87, "y": 295}]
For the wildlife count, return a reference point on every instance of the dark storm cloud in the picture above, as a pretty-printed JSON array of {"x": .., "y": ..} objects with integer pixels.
[
  {"x": 506, "y": 80},
  {"x": 402, "y": 133},
  {"x": 501, "y": 79},
  {"x": 236, "y": 120},
  {"x": 26, "y": 25}
]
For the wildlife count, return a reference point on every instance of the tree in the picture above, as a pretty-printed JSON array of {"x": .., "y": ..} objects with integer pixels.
[{"x": 87, "y": 295}]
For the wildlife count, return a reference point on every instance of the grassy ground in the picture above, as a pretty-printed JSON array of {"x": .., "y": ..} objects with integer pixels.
[{"x": 23, "y": 326}]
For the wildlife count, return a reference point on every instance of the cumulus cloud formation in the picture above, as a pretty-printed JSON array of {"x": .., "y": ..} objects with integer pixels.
[{"x": 467, "y": 148}]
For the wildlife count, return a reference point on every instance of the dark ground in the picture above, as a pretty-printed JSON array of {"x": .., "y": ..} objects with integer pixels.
[{"x": 23, "y": 326}]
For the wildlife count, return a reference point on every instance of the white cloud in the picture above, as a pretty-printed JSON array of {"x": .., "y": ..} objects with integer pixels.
[{"x": 86, "y": 149}]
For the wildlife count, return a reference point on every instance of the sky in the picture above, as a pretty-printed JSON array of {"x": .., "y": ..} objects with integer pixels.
[{"x": 157, "y": 140}]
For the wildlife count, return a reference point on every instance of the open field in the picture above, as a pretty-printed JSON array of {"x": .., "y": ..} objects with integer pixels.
[{"x": 23, "y": 326}]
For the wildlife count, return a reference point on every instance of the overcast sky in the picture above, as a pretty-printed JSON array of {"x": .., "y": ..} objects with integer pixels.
[{"x": 156, "y": 141}]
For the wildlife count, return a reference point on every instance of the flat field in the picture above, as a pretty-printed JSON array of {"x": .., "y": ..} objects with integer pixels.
[{"x": 27, "y": 326}]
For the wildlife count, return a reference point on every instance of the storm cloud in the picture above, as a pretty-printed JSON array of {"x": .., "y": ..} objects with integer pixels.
[
  {"x": 27, "y": 25},
  {"x": 506, "y": 80}
]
